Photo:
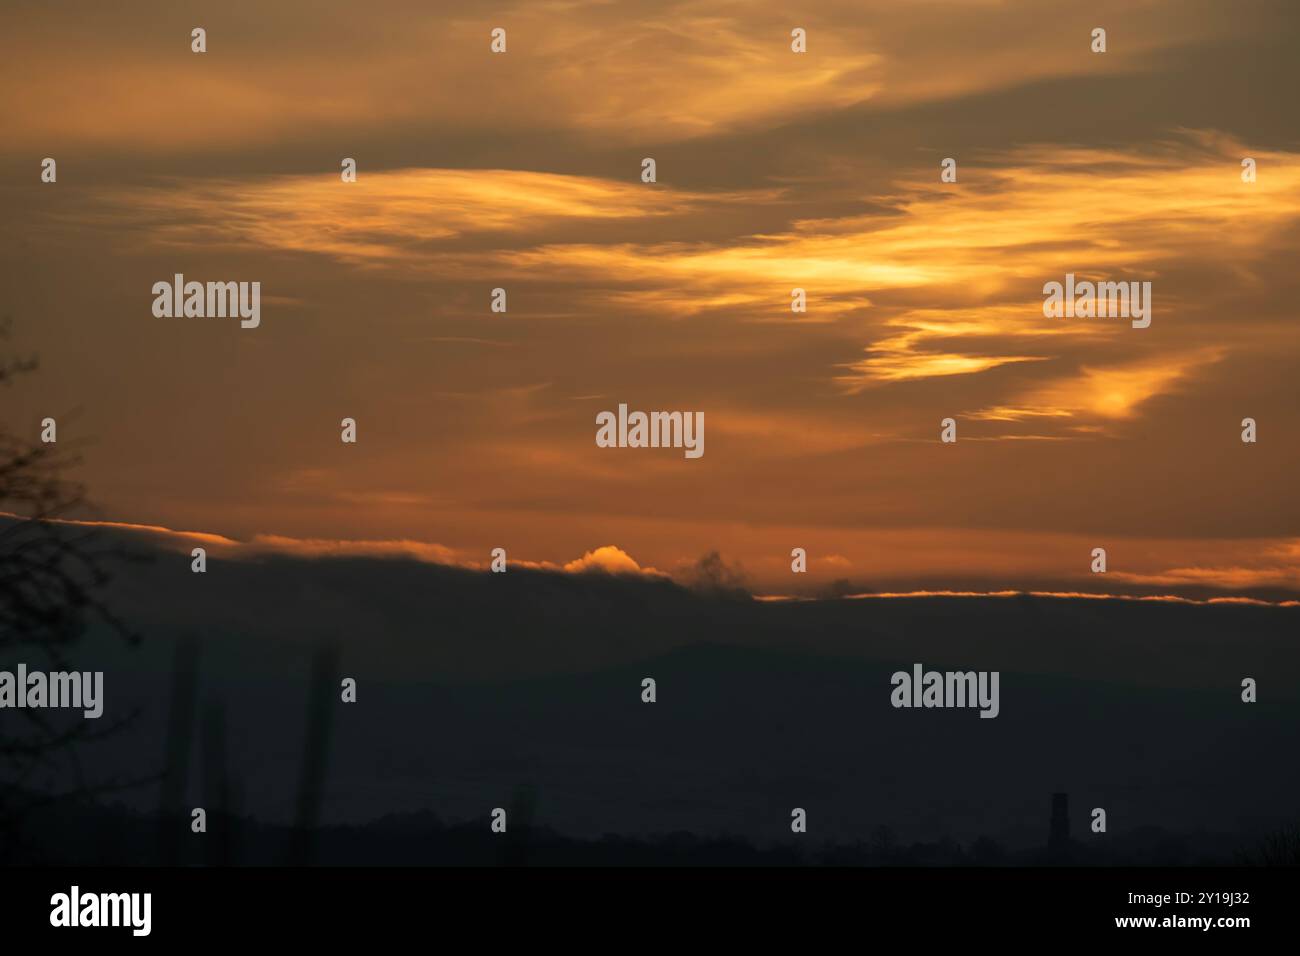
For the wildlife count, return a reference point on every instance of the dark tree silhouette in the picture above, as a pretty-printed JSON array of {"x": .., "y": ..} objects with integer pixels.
[
  {"x": 1281, "y": 847},
  {"x": 50, "y": 576}
]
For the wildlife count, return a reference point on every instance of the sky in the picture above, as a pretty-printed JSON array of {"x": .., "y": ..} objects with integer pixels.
[{"x": 775, "y": 170}]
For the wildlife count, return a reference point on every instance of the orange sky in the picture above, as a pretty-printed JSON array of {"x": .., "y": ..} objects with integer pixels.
[{"x": 775, "y": 170}]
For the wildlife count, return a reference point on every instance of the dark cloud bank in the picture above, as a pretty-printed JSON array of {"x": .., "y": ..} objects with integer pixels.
[{"x": 475, "y": 688}]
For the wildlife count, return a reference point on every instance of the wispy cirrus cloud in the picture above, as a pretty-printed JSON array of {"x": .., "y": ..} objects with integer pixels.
[
  {"x": 627, "y": 71},
  {"x": 1115, "y": 392},
  {"x": 1045, "y": 211},
  {"x": 397, "y": 220},
  {"x": 939, "y": 282}
]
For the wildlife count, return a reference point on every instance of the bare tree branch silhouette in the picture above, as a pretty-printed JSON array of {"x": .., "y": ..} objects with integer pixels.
[{"x": 51, "y": 575}]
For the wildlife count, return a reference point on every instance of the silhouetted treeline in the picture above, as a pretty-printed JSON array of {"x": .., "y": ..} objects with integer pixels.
[{"x": 93, "y": 835}]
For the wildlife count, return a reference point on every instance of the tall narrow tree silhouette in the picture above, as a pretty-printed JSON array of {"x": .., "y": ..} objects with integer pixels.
[
  {"x": 176, "y": 756},
  {"x": 322, "y": 698}
]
